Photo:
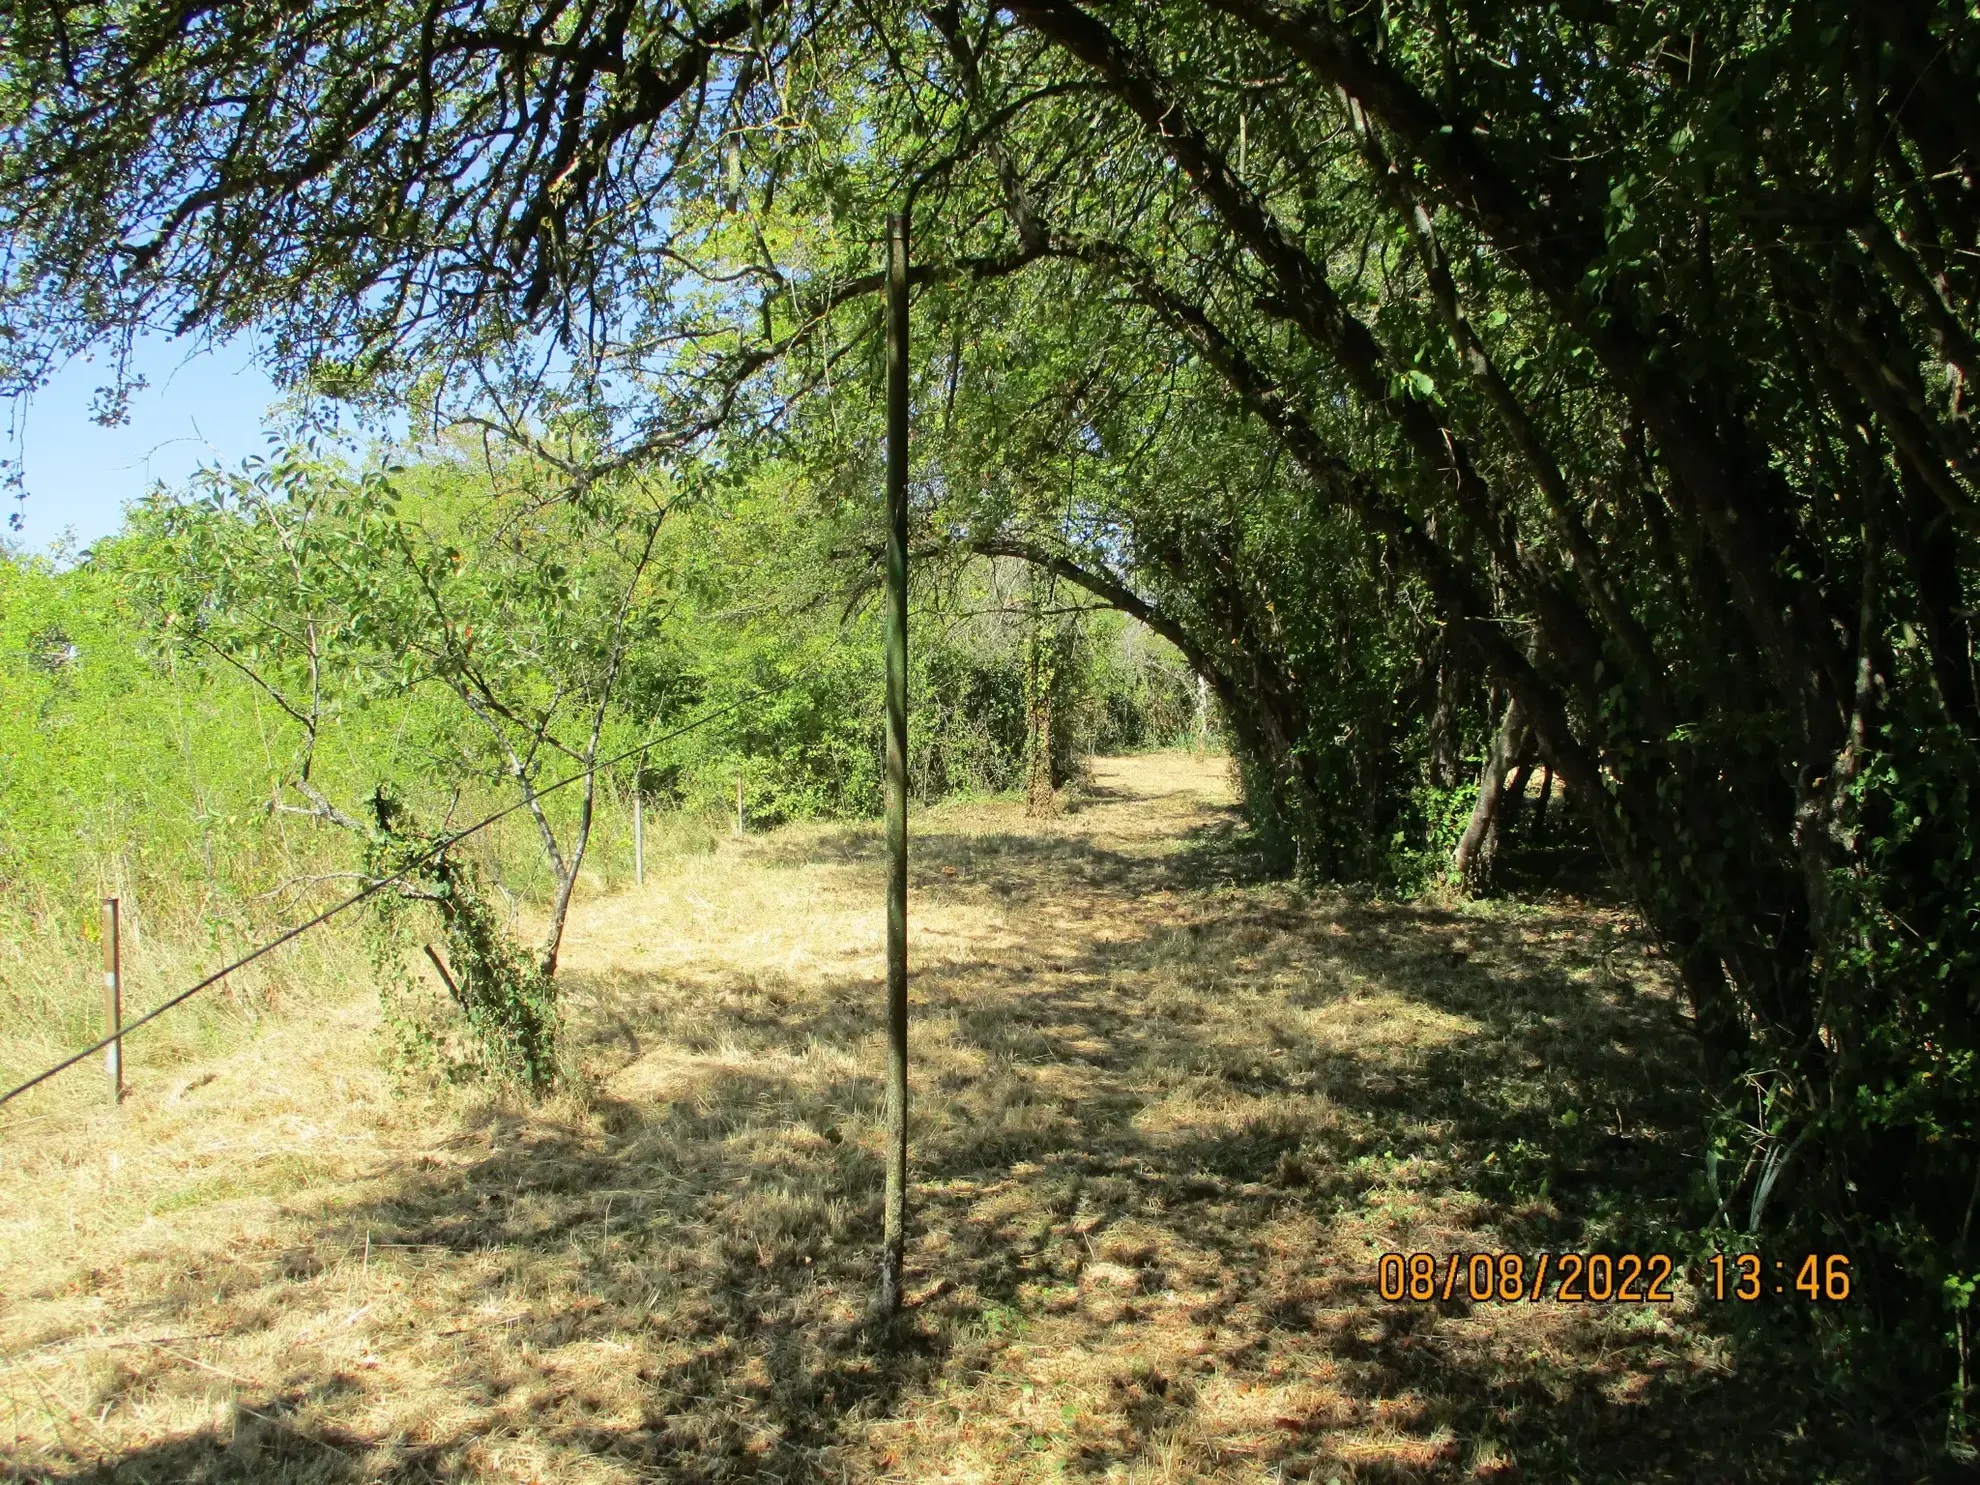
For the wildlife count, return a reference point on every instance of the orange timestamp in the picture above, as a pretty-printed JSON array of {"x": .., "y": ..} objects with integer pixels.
[
  {"x": 1509, "y": 1278},
  {"x": 1748, "y": 1276}
]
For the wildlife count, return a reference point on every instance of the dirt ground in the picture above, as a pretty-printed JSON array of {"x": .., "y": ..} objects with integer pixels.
[{"x": 1166, "y": 1119}]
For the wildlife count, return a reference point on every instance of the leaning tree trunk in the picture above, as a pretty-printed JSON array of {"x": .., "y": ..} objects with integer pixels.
[
  {"x": 1512, "y": 803},
  {"x": 1476, "y": 861}
]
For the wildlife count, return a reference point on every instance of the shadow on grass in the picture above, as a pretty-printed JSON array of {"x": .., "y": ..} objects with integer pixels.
[{"x": 1117, "y": 1126}]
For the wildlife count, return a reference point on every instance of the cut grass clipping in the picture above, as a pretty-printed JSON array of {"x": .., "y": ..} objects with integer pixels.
[{"x": 1165, "y": 1122}]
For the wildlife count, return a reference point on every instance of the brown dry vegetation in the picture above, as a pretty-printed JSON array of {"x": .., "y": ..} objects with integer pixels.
[{"x": 1165, "y": 1121}]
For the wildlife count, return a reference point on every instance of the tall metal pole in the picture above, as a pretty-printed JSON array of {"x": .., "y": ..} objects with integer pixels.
[
  {"x": 113, "y": 998},
  {"x": 894, "y": 1244}
]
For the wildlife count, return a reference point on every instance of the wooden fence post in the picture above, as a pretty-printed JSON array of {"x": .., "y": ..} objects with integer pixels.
[{"x": 894, "y": 1240}]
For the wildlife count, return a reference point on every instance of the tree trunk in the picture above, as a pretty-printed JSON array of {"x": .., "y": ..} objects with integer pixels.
[
  {"x": 1476, "y": 861},
  {"x": 1041, "y": 800},
  {"x": 1445, "y": 713},
  {"x": 1514, "y": 802}
]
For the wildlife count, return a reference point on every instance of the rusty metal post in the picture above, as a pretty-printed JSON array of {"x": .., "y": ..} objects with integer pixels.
[{"x": 113, "y": 999}]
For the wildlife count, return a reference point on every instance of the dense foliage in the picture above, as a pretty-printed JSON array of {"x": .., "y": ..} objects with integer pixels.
[
  {"x": 1594, "y": 373},
  {"x": 295, "y": 676}
]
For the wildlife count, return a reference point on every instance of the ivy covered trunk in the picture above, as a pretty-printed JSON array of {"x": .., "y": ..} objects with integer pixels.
[
  {"x": 1041, "y": 799},
  {"x": 1041, "y": 676}
]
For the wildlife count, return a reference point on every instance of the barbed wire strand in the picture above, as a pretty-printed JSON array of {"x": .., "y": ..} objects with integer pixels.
[{"x": 438, "y": 848}]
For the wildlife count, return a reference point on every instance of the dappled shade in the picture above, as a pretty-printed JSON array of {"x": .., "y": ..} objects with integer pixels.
[{"x": 1167, "y": 1116}]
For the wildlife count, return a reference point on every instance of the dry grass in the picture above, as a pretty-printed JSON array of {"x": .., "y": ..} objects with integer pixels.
[
  {"x": 51, "y": 985},
  {"x": 1164, "y": 1122},
  {"x": 178, "y": 927}
]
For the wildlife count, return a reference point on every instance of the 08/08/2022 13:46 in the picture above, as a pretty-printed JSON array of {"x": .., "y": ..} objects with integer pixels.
[{"x": 1603, "y": 1278}]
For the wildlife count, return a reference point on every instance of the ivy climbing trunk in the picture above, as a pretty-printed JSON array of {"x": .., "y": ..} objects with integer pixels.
[
  {"x": 894, "y": 1238},
  {"x": 1040, "y": 676}
]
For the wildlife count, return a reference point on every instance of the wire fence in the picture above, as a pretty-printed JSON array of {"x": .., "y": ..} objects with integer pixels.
[{"x": 372, "y": 889}]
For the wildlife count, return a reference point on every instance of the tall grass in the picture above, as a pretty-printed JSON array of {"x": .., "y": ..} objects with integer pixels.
[
  {"x": 128, "y": 772},
  {"x": 137, "y": 768}
]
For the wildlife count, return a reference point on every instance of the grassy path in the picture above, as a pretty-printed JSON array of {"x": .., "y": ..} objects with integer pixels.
[{"x": 1165, "y": 1123}]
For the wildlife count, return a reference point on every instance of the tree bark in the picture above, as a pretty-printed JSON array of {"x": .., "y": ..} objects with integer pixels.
[
  {"x": 1445, "y": 711},
  {"x": 1041, "y": 798},
  {"x": 1514, "y": 803},
  {"x": 1476, "y": 860}
]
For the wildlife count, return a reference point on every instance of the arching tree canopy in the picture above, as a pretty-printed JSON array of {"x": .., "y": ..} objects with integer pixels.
[{"x": 1613, "y": 363}]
